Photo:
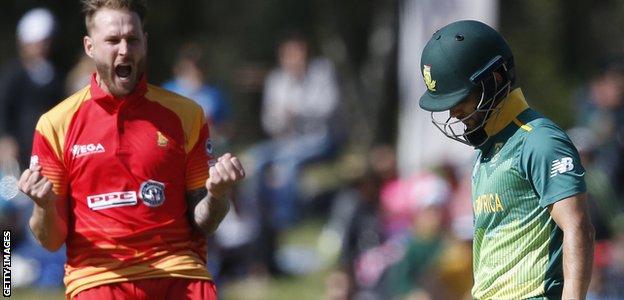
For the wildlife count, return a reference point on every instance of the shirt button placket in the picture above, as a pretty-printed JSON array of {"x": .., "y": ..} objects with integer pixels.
[{"x": 120, "y": 128}]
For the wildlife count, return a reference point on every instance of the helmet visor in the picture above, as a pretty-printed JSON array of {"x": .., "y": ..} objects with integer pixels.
[
  {"x": 456, "y": 129},
  {"x": 436, "y": 103}
]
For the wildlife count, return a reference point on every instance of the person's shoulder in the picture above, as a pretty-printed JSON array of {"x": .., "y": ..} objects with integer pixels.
[
  {"x": 277, "y": 74},
  {"x": 543, "y": 133},
  {"x": 64, "y": 110},
  {"x": 168, "y": 97},
  {"x": 321, "y": 64},
  {"x": 179, "y": 104},
  {"x": 541, "y": 125},
  {"x": 534, "y": 122}
]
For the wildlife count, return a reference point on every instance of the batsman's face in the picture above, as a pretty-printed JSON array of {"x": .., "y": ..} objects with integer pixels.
[
  {"x": 464, "y": 111},
  {"x": 118, "y": 45}
]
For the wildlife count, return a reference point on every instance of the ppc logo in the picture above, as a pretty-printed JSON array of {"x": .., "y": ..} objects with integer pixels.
[
  {"x": 114, "y": 199},
  {"x": 560, "y": 166}
]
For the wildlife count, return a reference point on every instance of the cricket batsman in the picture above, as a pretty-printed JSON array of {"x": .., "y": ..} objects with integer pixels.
[{"x": 532, "y": 233}]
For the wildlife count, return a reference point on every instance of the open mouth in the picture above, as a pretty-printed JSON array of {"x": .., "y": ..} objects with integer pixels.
[{"x": 123, "y": 71}]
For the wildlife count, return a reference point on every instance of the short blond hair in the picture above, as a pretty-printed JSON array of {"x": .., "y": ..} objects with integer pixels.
[{"x": 90, "y": 7}]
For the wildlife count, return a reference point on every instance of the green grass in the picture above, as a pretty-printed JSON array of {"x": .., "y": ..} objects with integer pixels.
[
  {"x": 306, "y": 287},
  {"x": 309, "y": 286}
]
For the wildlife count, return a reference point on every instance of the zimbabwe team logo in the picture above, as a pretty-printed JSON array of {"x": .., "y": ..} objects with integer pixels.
[
  {"x": 152, "y": 193},
  {"x": 162, "y": 139}
]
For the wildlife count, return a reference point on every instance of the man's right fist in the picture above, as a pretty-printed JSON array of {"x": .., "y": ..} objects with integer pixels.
[{"x": 36, "y": 186}]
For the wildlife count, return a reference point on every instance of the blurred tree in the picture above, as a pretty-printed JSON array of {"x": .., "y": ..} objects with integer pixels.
[{"x": 557, "y": 44}]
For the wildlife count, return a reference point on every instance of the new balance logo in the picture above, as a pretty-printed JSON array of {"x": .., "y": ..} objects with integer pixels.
[
  {"x": 82, "y": 150},
  {"x": 560, "y": 166}
]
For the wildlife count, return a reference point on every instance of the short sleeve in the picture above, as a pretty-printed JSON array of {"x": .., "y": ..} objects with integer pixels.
[
  {"x": 199, "y": 155},
  {"x": 552, "y": 164},
  {"x": 47, "y": 152}
]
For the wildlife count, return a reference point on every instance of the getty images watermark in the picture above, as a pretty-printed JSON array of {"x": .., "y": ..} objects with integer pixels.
[{"x": 6, "y": 263}]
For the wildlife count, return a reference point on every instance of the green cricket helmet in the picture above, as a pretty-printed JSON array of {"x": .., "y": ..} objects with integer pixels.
[{"x": 459, "y": 59}]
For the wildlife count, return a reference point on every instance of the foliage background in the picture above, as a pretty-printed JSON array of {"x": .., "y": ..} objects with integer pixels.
[{"x": 558, "y": 45}]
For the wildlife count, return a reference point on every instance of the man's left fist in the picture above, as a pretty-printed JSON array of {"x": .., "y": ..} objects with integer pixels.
[{"x": 223, "y": 175}]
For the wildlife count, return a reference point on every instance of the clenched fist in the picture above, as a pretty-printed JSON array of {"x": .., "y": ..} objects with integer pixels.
[
  {"x": 223, "y": 175},
  {"x": 36, "y": 186}
]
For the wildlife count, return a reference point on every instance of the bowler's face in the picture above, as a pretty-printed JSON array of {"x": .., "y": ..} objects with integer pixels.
[{"x": 117, "y": 45}]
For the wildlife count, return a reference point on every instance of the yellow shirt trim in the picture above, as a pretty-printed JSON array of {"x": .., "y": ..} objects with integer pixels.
[
  {"x": 53, "y": 125},
  {"x": 185, "y": 265},
  {"x": 525, "y": 127},
  {"x": 506, "y": 111},
  {"x": 189, "y": 112}
]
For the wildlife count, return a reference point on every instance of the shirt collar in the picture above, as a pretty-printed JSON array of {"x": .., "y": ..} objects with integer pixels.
[
  {"x": 109, "y": 101},
  {"x": 508, "y": 110}
]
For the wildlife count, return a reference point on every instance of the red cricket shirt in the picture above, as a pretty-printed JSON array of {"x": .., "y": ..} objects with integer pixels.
[{"x": 123, "y": 166}]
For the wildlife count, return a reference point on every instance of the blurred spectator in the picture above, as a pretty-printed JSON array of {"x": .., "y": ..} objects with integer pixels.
[
  {"x": 355, "y": 224},
  {"x": 412, "y": 219},
  {"x": 380, "y": 164},
  {"x": 460, "y": 206},
  {"x": 32, "y": 265},
  {"x": 434, "y": 265},
  {"x": 415, "y": 272},
  {"x": 356, "y": 221},
  {"x": 337, "y": 286},
  {"x": 396, "y": 237},
  {"x": 402, "y": 198},
  {"x": 614, "y": 271},
  {"x": 80, "y": 75},
  {"x": 605, "y": 209},
  {"x": 601, "y": 109},
  {"x": 8, "y": 157},
  {"x": 433, "y": 262},
  {"x": 190, "y": 80},
  {"x": 29, "y": 85},
  {"x": 232, "y": 253},
  {"x": 608, "y": 273},
  {"x": 300, "y": 101},
  {"x": 606, "y": 214},
  {"x": 383, "y": 161}
]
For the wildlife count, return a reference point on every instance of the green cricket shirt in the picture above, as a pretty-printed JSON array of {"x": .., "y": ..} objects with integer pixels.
[{"x": 527, "y": 164}]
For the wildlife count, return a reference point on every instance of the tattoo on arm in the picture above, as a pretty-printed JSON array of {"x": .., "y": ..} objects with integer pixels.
[{"x": 205, "y": 213}]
